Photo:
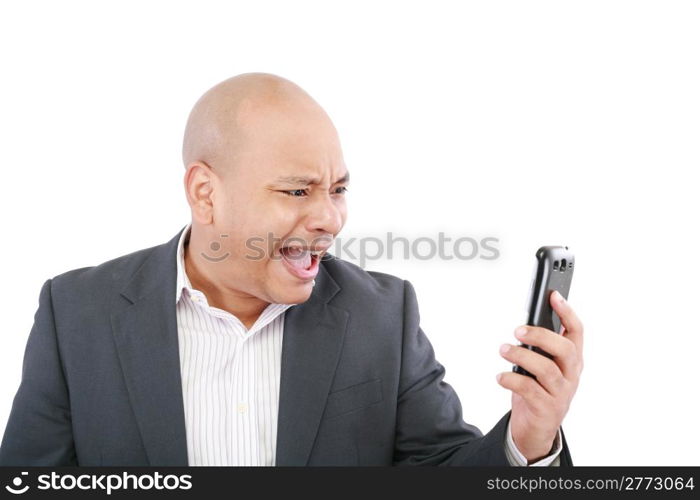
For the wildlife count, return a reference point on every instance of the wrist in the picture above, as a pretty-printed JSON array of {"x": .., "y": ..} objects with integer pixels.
[{"x": 536, "y": 452}]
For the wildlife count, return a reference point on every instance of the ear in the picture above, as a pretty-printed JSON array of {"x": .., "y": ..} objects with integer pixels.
[{"x": 199, "y": 191}]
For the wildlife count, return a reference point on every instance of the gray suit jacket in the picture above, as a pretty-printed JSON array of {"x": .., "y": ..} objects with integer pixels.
[{"x": 359, "y": 382}]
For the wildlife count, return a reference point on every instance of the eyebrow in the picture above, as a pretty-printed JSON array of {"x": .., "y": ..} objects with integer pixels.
[{"x": 297, "y": 180}]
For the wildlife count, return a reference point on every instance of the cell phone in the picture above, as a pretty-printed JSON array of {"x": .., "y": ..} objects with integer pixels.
[{"x": 553, "y": 270}]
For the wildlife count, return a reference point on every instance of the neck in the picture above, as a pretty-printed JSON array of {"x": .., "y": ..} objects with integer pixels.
[{"x": 247, "y": 308}]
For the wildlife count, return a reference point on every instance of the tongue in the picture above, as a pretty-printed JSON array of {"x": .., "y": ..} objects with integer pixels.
[{"x": 298, "y": 258}]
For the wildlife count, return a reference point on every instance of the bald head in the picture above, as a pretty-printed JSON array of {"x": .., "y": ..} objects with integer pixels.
[
  {"x": 227, "y": 114},
  {"x": 263, "y": 164}
]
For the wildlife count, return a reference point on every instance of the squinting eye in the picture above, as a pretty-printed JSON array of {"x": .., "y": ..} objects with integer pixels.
[
  {"x": 344, "y": 190},
  {"x": 294, "y": 192}
]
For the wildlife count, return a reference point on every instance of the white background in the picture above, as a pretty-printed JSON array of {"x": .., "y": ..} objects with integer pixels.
[{"x": 535, "y": 122}]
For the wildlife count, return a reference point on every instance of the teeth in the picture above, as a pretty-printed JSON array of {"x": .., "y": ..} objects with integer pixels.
[{"x": 300, "y": 250}]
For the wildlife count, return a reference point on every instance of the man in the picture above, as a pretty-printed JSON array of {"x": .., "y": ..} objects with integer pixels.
[{"x": 242, "y": 341}]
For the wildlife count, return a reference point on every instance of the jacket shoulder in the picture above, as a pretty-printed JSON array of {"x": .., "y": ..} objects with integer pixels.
[{"x": 97, "y": 281}]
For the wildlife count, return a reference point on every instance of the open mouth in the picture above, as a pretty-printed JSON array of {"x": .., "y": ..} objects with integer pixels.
[{"x": 300, "y": 262}]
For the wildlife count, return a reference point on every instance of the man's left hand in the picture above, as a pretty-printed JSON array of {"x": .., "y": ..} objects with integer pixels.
[{"x": 539, "y": 406}]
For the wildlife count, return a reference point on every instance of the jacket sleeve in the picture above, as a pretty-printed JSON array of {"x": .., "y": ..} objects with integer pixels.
[
  {"x": 38, "y": 431},
  {"x": 430, "y": 429}
]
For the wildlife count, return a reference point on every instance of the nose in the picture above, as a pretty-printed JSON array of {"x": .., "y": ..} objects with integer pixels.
[{"x": 326, "y": 216}]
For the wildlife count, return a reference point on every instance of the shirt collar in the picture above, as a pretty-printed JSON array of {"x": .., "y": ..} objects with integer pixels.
[{"x": 182, "y": 280}]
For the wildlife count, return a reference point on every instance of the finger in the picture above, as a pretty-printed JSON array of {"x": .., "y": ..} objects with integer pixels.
[
  {"x": 546, "y": 370},
  {"x": 562, "y": 349},
  {"x": 527, "y": 388},
  {"x": 569, "y": 320}
]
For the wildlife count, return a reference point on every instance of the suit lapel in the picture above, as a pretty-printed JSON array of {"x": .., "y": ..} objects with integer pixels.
[
  {"x": 145, "y": 333},
  {"x": 311, "y": 345}
]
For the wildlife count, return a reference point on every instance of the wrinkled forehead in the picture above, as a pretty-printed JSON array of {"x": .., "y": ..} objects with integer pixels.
[{"x": 287, "y": 141}]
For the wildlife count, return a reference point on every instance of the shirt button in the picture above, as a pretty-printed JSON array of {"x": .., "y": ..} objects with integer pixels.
[{"x": 242, "y": 407}]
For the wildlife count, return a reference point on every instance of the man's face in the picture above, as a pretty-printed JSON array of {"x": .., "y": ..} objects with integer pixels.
[{"x": 284, "y": 189}]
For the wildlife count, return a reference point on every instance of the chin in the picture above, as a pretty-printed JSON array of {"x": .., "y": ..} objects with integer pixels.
[{"x": 294, "y": 294}]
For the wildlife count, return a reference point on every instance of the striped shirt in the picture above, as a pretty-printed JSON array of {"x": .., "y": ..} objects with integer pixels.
[
  {"x": 230, "y": 377},
  {"x": 231, "y": 380}
]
